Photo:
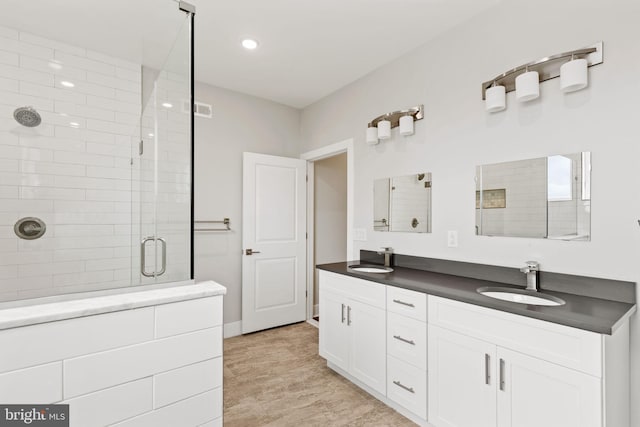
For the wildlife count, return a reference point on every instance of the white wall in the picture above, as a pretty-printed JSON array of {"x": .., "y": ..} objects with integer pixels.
[
  {"x": 330, "y": 216},
  {"x": 240, "y": 123},
  {"x": 73, "y": 170},
  {"x": 457, "y": 135}
]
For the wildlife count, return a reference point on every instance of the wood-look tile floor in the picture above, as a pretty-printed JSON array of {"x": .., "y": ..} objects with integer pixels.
[{"x": 276, "y": 378}]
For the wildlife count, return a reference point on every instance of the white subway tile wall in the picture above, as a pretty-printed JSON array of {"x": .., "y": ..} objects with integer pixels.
[
  {"x": 410, "y": 200},
  {"x": 114, "y": 368},
  {"x": 525, "y": 213},
  {"x": 74, "y": 170}
]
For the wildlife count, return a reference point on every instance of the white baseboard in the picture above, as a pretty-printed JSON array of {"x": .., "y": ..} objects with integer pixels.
[
  {"x": 233, "y": 329},
  {"x": 316, "y": 310}
]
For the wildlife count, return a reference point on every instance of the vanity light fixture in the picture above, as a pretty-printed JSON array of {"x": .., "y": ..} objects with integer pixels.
[
  {"x": 406, "y": 125},
  {"x": 574, "y": 75},
  {"x": 384, "y": 129},
  {"x": 571, "y": 67},
  {"x": 372, "y": 135},
  {"x": 380, "y": 127},
  {"x": 496, "y": 98},
  {"x": 528, "y": 86}
]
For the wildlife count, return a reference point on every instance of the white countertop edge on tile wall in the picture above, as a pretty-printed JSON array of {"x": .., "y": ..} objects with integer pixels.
[{"x": 50, "y": 312}]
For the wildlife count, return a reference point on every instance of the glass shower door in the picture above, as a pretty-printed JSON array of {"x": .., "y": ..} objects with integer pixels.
[{"x": 163, "y": 170}]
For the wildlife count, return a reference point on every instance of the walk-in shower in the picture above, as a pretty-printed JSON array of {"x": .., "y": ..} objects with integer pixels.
[{"x": 96, "y": 134}]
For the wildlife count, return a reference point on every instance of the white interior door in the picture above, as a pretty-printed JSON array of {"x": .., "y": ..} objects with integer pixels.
[{"x": 274, "y": 241}]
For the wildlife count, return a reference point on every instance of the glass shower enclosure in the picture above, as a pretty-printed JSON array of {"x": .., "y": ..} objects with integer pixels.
[{"x": 96, "y": 142}]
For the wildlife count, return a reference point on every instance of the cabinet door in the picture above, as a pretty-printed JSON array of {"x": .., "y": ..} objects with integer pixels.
[
  {"x": 368, "y": 354},
  {"x": 538, "y": 393},
  {"x": 334, "y": 334},
  {"x": 462, "y": 380}
]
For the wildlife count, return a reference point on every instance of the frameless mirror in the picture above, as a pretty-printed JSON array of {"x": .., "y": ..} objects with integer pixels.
[
  {"x": 548, "y": 197},
  {"x": 402, "y": 203}
]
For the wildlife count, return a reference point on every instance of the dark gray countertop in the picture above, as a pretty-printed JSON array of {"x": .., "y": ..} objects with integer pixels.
[{"x": 588, "y": 313}]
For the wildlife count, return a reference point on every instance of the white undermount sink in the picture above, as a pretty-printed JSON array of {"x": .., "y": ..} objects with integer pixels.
[
  {"x": 520, "y": 296},
  {"x": 370, "y": 268}
]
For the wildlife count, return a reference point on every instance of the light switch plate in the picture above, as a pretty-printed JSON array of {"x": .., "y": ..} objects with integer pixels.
[
  {"x": 452, "y": 238},
  {"x": 360, "y": 234}
]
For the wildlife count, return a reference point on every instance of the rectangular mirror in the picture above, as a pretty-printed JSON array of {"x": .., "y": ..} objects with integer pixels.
[
  {"x": 548, "y": 197},
  {"x": 402, "y": 203}
]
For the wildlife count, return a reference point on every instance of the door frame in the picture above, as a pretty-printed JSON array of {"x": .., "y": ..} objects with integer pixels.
[{"x": 345, "y": 146}]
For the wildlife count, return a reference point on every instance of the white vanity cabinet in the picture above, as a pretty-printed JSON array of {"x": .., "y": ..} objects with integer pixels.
[
  {"x": 490, "y": 368},
  {"x": 353, "y": 323}
]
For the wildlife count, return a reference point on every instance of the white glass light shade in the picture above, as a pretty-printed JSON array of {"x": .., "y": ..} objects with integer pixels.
[
  {"x": 573, "y": 75},
  {"x": 406, "y": 125},
  {"x": 372, "y": 135},
  {"x": 495, "y": 99},
  {"x": 527, "y": 86},
  {"x": 384, "y": 129}
]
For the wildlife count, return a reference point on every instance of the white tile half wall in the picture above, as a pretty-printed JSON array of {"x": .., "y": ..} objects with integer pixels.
[
  {"x": 151, "y": 366},
  {"x": 73, "y": 170}
]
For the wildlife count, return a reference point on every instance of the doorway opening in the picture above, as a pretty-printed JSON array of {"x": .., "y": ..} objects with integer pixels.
[{"x": 329, "y": 213}]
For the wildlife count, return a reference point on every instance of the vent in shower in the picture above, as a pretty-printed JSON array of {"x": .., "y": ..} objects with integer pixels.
[{"x": 200, "y": 109}]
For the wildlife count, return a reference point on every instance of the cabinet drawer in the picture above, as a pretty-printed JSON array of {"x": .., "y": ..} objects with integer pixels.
[
  {"x": 563, "y": 345},
  {"x": 407, "y": 339},
  {"x": 407, "y": 386},
  {"x": 406, "y": 302},
  {"x": 364, "y": 291}
]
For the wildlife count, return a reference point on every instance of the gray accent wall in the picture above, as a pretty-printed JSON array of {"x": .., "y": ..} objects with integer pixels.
[{"x": 240, "y": 123}]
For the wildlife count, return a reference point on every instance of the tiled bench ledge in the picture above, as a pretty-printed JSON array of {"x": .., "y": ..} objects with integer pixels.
[{"x": 87, "y": 306}]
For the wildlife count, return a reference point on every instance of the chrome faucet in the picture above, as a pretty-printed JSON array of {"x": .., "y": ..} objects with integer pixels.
[
  {"x": 387, "y": 252},
  {"x": 531, "y": 270}
]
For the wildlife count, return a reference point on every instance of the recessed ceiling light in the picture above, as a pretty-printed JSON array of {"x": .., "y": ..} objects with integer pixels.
[
  {"x": 167, "y": 105},
  {"x": 66, "y": 83},
  {"x": 249, "y": 44}
]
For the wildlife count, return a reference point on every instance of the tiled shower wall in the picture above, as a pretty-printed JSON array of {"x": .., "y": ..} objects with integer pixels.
[{"x": 73, "y": 171}]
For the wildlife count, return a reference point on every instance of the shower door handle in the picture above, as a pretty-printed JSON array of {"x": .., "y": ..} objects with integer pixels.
[
  {"x": 164, "y": 256},
  {"x": 143, "y": 257}
]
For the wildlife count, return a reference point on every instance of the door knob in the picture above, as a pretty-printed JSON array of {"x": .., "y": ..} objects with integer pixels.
[{"x": 250, "y": 252}]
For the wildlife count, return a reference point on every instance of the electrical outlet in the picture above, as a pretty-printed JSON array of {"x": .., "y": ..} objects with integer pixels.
[
  {"x": 452, "y": 238},
  {"x": 360, "y": 234}
]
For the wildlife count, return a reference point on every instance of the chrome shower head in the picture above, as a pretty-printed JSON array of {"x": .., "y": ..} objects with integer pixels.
[{"x": 27, "y": 116}]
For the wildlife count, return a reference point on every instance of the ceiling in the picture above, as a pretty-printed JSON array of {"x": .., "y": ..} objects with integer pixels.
[{"x": 308, "y": 49}]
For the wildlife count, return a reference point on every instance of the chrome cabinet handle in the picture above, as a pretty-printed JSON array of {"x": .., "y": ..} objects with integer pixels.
[
  {"x": 487, "y": 364},
  {"x": 399, "y": 338},
  {"x": 250, "y": 252},
  {"x": 348, "y": 315},
  {"x": 342, "y": 313},
  {"x": 501, "y": 374},
  {"x": 409, "y": 389},
  {"x": 408, "y": 304}
]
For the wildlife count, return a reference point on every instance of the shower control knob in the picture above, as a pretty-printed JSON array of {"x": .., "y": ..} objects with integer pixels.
[{"x": 29, "y": 228}]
